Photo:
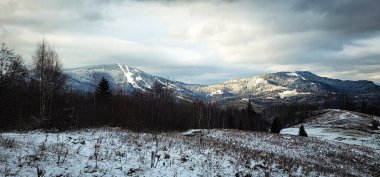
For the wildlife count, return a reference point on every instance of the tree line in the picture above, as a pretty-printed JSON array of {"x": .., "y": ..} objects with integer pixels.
[
  {"x": 155, "y": 110},
  {"x": 351, "y": 103},
  {"x": 38, "y": 97}
]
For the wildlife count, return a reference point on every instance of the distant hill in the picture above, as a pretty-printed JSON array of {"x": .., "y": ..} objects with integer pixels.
[
  {"x": 299, "y": 86},
  {"x": 121, "y": 78},
  {"x": 341, "y": 126}
]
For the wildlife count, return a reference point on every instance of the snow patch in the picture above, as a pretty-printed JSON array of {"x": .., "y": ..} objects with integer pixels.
[
  {"x": 261, "y": 81},
  {"x": 290, "y": 93},
  {"x": 292, "y": 74},
  {"x": 129, "y": 75},
  {"x": 220, "y": 92}
]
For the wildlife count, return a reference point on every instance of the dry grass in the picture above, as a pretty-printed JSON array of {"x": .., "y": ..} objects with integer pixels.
[
  {"x": 8, "y": 142},
  {"x": 210, "y": 153}
]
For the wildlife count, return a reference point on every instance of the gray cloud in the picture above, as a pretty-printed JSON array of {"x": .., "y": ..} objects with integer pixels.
[
  {"x": 348, "y": 16},
  {"x": 203, "y": 41}
]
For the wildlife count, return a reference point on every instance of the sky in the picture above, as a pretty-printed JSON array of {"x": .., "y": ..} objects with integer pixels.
[{"x": 203, "y": 41}]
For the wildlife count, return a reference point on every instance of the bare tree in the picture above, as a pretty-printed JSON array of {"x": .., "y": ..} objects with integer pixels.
[
  {"x": 48, "y": 72},
  {"x": 12, "y": 87},
  {"x": 11, "y": 66}
]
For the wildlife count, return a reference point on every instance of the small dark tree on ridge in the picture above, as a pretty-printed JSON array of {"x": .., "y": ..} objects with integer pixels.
[
  {"x": 302, "y": 131},
  {"x": 276, "y": 125}
]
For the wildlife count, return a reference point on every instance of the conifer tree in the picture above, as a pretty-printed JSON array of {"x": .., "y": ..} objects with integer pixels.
[
  {"x": 302, "y": 131},
  {"x": 103, "y": 92},
  {"x": 276, "y": 125}
]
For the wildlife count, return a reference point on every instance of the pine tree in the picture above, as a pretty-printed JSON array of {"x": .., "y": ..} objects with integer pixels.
[
  {"x": 103, "y": 112},
  {"x": 276, "y": 125},
  {"x": 103, "y": 92},
  {"x": 302, "y": 131}
]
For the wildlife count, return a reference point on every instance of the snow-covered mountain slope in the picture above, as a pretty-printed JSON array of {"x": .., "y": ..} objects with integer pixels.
[
  {"x": 299, "y": 86},
  {"x": 121, "y": 78},
  {"x": 341, "y": 126},
  {"x": 290, "y": 86},
  {"x": 300, "y": 82},
  {"x": 115, "y": 152}
]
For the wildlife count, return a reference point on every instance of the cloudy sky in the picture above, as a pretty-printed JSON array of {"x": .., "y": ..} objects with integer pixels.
[{"x": 203, "y": 41}]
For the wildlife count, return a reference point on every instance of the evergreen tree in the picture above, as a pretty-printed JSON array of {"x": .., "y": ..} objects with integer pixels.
[
  {"x": 103, "y": 92},
  {"x": 302, "y": 131},
  {"x": 276, "y": 125}
]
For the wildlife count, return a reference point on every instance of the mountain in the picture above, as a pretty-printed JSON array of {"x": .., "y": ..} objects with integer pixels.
[
  {"x": 285, "y": 83},
  {"x": 299, "y": 86},
  {"x": 122, "y": 78},
  {"x": 289, "y": 87}
]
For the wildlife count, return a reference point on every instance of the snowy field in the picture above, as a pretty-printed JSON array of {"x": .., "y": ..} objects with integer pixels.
[
  {"x": 116, "y": 152},
  {"x": 341, "y": 126}
]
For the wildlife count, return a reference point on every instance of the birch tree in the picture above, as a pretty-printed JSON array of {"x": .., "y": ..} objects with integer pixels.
[{"x": 49, "y": 75}]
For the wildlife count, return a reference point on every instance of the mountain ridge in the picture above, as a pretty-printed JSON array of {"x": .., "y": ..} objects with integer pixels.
[
  {"x": 121, "y": 78},
  {"x": 291, "y": 86}
]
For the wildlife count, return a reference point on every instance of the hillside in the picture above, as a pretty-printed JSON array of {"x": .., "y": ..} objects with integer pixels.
[
  {"x": 121, "y": 78},
  {"x": 115, "y": 152},
  {"x": 299, "y": 86},
  {"x": 283, "y": 87},
  {"x": 341, "y": 126}
]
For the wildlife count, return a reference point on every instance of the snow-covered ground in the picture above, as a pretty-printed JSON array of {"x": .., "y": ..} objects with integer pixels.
[
  {"x": 341, "y": 126},
  {"x": 116, "y": 152}
]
